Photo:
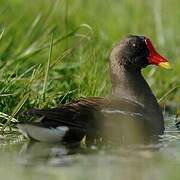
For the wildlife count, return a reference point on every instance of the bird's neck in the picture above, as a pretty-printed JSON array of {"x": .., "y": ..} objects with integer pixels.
[{"x": 130, "y": 84}]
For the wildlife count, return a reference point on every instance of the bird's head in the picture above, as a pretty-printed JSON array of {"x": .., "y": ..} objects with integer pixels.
[{"x": 136, "y": 52}]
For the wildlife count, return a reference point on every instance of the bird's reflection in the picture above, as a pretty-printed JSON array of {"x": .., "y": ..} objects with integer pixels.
[
  {"x": 57, "y": 154},
  {"x": 38, "y": 153}
]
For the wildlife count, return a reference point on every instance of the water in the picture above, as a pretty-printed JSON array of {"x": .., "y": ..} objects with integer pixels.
[{"x": 20, "y": 159}]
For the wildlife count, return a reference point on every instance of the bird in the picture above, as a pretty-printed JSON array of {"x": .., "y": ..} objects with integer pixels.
[{"x": 130, "y": 113}]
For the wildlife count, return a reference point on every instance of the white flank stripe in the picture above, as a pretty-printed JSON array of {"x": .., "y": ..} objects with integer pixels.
[{"x": 115, "y": 111}]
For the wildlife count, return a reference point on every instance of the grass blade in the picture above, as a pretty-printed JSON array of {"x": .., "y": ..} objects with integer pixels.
[
  {"x": 167, "y": 93},
  {"x": 47, "y": 67},
  {"x": 1, "y": 35},
  {"x": 5, "y": 116},
  {"x": 16, "y": 110}
]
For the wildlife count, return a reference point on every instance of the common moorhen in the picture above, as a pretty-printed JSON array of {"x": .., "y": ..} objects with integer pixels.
[{"x": 131, "y": 110}]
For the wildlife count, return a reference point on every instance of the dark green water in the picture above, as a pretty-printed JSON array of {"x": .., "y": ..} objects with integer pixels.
[{"x": 20, "y": 159}]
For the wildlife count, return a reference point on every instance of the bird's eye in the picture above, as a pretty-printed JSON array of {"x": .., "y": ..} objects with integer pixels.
[{"x": 134, "y": 45}]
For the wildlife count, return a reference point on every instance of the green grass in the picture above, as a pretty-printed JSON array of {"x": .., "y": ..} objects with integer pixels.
[{"x": 55, "y": 51}]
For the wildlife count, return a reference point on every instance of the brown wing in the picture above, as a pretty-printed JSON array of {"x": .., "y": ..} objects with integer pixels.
[
  {"x": 86, "y": 113},
  {"x": 89, "y": 116},
  {"x": 78, "y": 114}
]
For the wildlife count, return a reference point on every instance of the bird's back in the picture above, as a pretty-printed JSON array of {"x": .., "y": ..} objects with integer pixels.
[{"x": 96, "y": 118}]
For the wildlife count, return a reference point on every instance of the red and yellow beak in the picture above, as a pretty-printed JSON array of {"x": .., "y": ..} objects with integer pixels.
[{"x": 154, "y": 57}]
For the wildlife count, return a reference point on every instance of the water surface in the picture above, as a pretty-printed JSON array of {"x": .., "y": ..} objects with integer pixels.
[{"x": 21, "y": 159}]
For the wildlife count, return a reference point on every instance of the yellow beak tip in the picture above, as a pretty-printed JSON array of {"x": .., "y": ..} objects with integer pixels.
[{"x": 165, "y": 65}]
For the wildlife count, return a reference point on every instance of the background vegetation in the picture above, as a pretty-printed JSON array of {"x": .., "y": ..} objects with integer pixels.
[{"x": 52, "y": 51}]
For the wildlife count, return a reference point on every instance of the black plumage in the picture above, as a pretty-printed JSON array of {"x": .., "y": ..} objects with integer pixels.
[{"x": 130, "y": 113}]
